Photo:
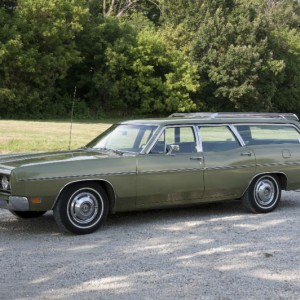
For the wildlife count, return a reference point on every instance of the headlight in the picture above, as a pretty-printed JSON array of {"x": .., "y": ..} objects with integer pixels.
[{"x": 5, "y": 184}]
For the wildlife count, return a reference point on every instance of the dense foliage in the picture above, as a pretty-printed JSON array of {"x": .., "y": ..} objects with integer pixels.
[{"x": 148, "y": 56}]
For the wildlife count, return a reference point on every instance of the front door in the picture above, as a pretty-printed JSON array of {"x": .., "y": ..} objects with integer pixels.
[{"x": 172, "y": 172}]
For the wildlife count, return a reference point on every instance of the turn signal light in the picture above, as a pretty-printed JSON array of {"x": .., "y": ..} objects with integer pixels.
[{"x": 36, "y": 200}]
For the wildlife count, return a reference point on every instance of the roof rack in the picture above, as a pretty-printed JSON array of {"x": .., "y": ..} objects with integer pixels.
[{"x": 289, "y": 116}]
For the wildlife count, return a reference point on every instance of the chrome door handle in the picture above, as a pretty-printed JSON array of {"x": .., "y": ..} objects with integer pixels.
[
  {"x": 196, "y": 158},
  {"x": 246, "y": 153}
]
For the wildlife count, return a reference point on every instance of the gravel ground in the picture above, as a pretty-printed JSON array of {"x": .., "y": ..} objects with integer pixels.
[{"x": 215, "y": 251}]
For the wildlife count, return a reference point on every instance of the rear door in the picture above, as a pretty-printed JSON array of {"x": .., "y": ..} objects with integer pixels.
[{"x": 229, "y": 165}]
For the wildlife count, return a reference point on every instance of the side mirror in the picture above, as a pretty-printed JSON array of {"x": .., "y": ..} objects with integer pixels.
[{"x": 172, "y": 149}]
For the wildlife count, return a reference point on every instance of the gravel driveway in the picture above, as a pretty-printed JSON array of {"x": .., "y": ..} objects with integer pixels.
[{"x": 215, "y": 251}]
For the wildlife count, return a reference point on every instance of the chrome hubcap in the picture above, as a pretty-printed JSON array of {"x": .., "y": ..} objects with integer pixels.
[
  {"x": 84, "y": 207},
  {"x": 265, "y": 192}
]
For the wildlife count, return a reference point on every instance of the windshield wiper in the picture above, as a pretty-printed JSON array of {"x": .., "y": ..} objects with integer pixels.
[
  {"x": 119, "y": 152},
  {"x": 115, "y": 151}
]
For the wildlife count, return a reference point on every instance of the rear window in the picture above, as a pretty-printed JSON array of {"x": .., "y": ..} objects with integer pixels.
[{"x": 268, "y": 134}]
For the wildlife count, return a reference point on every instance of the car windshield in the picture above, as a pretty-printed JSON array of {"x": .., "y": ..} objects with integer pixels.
[{"x": 124, "y": 138}]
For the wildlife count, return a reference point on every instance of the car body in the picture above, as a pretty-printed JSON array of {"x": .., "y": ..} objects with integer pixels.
[{"x": 146, "y": 164}]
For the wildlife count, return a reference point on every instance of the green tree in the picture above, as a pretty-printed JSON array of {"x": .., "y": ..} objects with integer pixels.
[
  {"x": 10, "y": 48},
  {"x": 152, "y": 79},
  {"x": 287, "y": 96},
  {"x": 153, "y": 56},
  {"x": 120, "y": 8},
  {"x": 284, "y": 17},
  {"x": 9, "y": 5},
  {"x": 42, "y": 49},
  {"x": 178, "y": 12},
  {"x": 232, "y": 50},
  {"x": 129, "y": 69}
]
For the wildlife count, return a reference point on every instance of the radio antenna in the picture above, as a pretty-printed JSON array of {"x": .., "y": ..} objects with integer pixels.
[{"x": 72, "y": 113}]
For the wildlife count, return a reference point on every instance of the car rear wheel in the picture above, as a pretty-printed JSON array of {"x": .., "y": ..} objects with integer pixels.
[
  {"x": 27, "y": 214},
  {"x": 263, "y": 194},
  {"x": 81, "y": 208}
]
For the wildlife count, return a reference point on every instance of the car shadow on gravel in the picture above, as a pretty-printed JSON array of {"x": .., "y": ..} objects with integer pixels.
[
  {"x": 12, "y": 225},
  {"x": 174, "y": 213},
  {"x": 229, "y": 208}
]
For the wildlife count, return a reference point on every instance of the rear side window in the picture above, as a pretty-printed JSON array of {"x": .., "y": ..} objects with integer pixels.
[
  {"x": 268, "y": 134},
  {"x": 217, "y": 138}
]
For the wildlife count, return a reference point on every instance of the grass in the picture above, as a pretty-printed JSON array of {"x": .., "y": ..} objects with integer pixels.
[
  {"x": 28, "y": 136},
  {"x": 31, "y": 136}
]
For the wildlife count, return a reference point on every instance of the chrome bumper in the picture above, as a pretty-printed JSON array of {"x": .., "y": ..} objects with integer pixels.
[{"x": 15, "y": 203}]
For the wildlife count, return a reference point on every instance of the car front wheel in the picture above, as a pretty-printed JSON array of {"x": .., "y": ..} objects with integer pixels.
[
  {"x": 81, "y": 208},
  {"x": 263, "y": 194}
]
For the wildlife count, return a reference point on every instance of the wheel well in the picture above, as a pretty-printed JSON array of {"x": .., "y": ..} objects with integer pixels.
[
  {"x": 283, "y": 180},
  {"x": 110, "y": 194},
  {"x": 281, "y": 176},
  {"x": 104, "y": 184}
]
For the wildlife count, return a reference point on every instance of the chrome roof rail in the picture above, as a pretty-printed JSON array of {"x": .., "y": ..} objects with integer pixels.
[{"x": 289, "y": 116}]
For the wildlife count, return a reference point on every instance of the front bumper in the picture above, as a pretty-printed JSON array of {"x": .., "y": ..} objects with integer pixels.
[{"x": 15, "y": 203}]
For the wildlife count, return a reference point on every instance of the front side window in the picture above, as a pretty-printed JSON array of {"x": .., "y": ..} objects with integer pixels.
[
  {"x": 217, "y": 138},
  {"x": 126, "y": 138},
  {"x": 268, "y": 134},
  {"x": 183, "y": 137}
]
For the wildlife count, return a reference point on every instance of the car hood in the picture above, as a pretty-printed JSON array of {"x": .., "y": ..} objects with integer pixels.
[{"x": 12, "y": 161}]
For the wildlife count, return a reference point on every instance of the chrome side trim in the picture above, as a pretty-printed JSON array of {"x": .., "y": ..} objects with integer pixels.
[
  {"x": 171, "y": 171},
  {"x": 255, "y": 165},
  {"x": 230, "y": 167},
  {"x": 279, "y": 164},
  {"x": 79, "y": 176}
]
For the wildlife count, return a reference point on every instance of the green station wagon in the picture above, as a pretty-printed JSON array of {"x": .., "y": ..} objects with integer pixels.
[{"x": 145, "y": 164}]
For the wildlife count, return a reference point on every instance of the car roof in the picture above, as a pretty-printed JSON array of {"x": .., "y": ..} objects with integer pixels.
[{"x": 218, "y": 118}]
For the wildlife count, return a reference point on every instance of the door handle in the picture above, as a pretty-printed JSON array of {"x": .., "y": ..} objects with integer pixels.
[
  {"x": 196, "y": 158},
  {"x": 246, "y": 153}
]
